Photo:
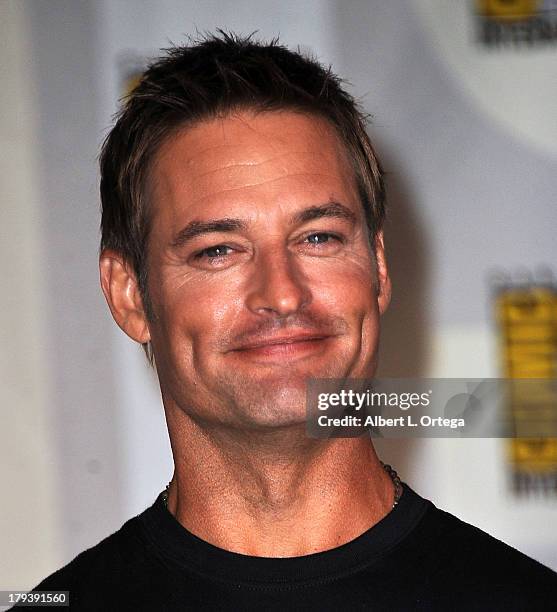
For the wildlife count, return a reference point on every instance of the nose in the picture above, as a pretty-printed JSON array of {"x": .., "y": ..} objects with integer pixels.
[{"x": 278, "y": 285}]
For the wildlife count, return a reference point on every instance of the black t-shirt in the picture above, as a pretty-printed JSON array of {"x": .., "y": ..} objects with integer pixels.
[{"x": 416, "y": 558}]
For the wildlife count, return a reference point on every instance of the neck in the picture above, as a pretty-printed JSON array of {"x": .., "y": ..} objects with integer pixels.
[{"x": 274, "y": 494}]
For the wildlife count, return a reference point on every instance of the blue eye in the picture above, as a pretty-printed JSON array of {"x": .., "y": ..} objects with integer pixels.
[
  {"x": 320, "y": 238},
  {"x": 214, "y": 252}
]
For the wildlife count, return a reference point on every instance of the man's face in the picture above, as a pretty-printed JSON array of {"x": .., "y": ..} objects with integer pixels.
[{"x": 261, "y": 273}]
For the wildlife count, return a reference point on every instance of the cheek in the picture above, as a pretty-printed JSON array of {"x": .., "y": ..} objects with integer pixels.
[
  {"x": 349, "y": 288},
  {"x": 199, "y": 312},
  {"x": 349, "y": 292}
]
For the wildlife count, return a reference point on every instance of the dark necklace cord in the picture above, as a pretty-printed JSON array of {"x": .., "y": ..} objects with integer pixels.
[{"x": 396, "y": 482}]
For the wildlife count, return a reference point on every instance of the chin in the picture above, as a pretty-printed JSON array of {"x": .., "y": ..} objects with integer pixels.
[{"x": 285, "y": 407}]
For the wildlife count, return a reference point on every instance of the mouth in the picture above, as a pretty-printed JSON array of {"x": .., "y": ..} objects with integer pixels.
[{"x": 283, "y": 346}]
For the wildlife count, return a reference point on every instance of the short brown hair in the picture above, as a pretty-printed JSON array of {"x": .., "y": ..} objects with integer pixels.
[{"x": 214, "y": 76}]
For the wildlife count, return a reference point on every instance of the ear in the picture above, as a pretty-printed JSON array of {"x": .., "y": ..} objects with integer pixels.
[
  {"x": 121, "y": 290},
  {"x": 383, "y": 279}
]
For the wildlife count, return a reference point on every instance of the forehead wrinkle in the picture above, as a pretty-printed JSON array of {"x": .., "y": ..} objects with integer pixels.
[
  {"x": 306, "y": 168},
  {"x": 257, "y": 184},
  {"x": 254, "y": 162},
  {"x": 235, "y": 165}
]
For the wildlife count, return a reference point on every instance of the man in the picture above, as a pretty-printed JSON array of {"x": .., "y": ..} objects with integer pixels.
[{"x": 242, "y": 247}]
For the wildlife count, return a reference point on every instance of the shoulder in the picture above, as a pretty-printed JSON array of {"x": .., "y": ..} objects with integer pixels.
[
  {"x": 102, "y": 573},
  {"x": 473, "y": 549},
  {"x": 479, "y": 567}
]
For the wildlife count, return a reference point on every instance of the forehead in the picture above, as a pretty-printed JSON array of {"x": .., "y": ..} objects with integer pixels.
[{"x": 250, "y": 157}]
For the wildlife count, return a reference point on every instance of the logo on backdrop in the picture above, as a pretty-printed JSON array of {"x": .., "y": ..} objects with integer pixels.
[
  {"x": 526, "y": 312},
  {"x": 516, "y": 23}
]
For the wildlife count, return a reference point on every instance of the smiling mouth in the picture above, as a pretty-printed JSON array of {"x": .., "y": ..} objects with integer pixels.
[{"x": 285, "y": 346}]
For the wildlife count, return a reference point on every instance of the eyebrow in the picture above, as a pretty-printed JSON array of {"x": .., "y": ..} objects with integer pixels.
[
  {"x": 331, "y": 209},
  {"x": 199, "y": 228}
]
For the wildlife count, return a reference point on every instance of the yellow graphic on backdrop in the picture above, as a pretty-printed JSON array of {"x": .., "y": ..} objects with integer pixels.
[
  {"x": 508, "y": 10},
  {"x": 527, "y": 316}
]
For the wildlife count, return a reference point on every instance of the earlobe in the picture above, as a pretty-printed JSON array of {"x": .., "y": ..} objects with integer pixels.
[
  {"x": 121, "y": 290},
  {"x": 383, "y": 278}
]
